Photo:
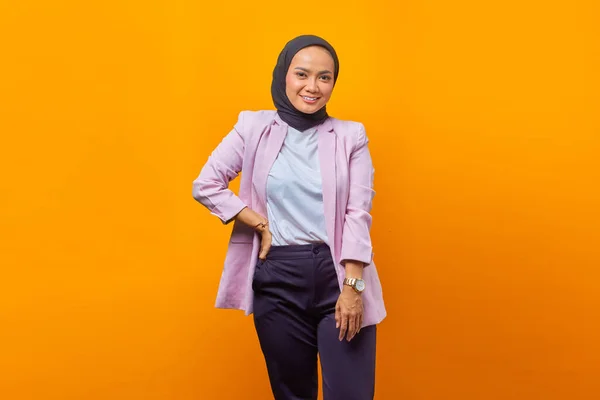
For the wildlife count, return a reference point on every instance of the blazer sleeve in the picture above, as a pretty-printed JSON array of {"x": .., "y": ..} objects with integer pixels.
[
  {"x": 356, "y": 238},
  {"x": 211, "y": 187}
]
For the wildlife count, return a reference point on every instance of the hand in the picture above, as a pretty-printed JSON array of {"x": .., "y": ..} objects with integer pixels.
[
  {"x": 260, "y": 225},
  {"x": 348, "y": 313},
  {"x": 265, "y": 243}
]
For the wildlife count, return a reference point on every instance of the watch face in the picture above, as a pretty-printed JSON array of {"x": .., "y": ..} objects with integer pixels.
[{"x": 360, "y": 285}]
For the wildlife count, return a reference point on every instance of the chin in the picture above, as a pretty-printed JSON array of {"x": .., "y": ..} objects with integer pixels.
[{"x": 307, "y": 109}]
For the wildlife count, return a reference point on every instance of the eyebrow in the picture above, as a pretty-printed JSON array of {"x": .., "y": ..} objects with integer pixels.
[{"x": 326, "y": 71}]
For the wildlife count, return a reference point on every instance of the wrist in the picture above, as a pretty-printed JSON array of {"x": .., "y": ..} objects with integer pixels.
[
  {"x": 355, "y": 284},
  {"x": 262, "y": 227},
  {"x": 354, "y": 269},
  {"x": 350, "y": 290}
]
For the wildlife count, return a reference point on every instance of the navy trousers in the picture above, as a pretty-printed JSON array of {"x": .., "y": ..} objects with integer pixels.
[{"x": 295, "y": 293}]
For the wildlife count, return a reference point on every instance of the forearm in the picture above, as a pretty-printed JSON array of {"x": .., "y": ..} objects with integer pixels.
[
  {"x": 354, "y": 269},
  {"x": 250, "y": 218}
]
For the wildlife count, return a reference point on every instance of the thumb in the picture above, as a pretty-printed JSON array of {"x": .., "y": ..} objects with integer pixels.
[
  {"x": 264, "y": 249},
  {"x": 337, "y": 317}
]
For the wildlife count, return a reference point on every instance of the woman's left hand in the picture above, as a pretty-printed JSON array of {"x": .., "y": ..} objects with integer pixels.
[{"x": 348, "y": 313}]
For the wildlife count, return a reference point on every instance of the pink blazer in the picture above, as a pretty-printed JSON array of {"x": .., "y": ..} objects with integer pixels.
[{"x": 347, "y": 177}]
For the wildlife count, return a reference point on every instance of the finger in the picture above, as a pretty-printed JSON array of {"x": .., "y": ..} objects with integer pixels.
[
  {"x": 343, "y": 326},
  {"x": 263, "y": 251},
  {"x": 357, "y": 325},
  {"x": 265, "y": 247},
  {"x": 338, "y": 317},
  {"x": 360, "y": 322},
  {"x": 351, "y": 327}
]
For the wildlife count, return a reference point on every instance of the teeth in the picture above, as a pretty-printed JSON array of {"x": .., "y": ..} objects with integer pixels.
[{"x": 309, "y": 98}]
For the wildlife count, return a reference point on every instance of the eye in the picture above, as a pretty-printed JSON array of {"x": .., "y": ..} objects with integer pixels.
[
  {"x": 300, "y": 74},
  {"x": 326, "y": 77}
]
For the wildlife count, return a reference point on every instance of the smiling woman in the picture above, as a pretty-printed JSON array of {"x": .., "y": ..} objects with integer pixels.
[{"x": 300, "y": 255}]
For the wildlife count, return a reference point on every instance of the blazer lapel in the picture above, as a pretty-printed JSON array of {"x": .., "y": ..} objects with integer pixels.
[
  {"x": 327, "y": 147},
  {"x": 266, "y": 154}
]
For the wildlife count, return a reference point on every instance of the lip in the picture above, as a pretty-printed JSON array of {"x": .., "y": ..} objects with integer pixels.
[{"x": 304, "y": 98}]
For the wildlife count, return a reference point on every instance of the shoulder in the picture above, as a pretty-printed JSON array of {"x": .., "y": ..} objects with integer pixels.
[
  {"x": 250, "y": 121},
  {"x": 349, "y": 130}
]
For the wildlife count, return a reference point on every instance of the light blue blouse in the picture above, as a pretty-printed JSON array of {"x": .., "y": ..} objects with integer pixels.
[{"x": 294, "y": 192}]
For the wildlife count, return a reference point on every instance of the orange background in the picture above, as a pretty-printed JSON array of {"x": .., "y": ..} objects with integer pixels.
[{"x": 485, "y": 132}]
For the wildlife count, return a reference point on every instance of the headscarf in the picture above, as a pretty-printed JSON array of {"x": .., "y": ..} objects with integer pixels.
[{"x": 287, "y": 112}]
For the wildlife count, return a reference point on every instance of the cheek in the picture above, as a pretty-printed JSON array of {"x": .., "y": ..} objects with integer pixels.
[
  {"x": 291, "y": 85},
  {"x": 327, "y": 90}
]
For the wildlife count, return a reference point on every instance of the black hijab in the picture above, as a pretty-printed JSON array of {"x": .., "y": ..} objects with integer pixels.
[{"x": 287, "y": 112}]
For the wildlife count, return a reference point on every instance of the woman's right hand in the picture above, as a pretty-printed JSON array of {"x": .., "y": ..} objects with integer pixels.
[
  {"x": 260, "y": 225},
  {"x": 265, "y": 243}
]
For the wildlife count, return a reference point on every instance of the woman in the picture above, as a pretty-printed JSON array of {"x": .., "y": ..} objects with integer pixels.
[{"x": 300, "y": 255}]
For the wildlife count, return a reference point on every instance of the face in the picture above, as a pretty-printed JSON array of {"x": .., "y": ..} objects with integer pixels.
[{"x": 309, "y": 80}]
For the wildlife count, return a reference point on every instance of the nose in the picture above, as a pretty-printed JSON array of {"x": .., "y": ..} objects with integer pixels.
[{"x": 312, "y": 86}]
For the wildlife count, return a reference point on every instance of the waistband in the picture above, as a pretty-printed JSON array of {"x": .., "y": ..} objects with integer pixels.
[{"x": 296, "y": 251}]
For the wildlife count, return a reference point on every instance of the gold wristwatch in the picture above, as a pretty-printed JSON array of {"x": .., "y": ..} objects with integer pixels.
[{"x": 355, "y": 283}]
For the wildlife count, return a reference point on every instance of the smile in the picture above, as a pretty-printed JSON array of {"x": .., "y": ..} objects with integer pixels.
[{"x": 310, "y": 99}]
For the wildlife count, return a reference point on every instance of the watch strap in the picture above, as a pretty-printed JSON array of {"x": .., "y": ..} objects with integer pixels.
[{"x": 350, "y": 281}]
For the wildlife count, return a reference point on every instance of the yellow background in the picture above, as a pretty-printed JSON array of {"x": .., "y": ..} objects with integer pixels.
[{"x": 484, "y": 120}]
